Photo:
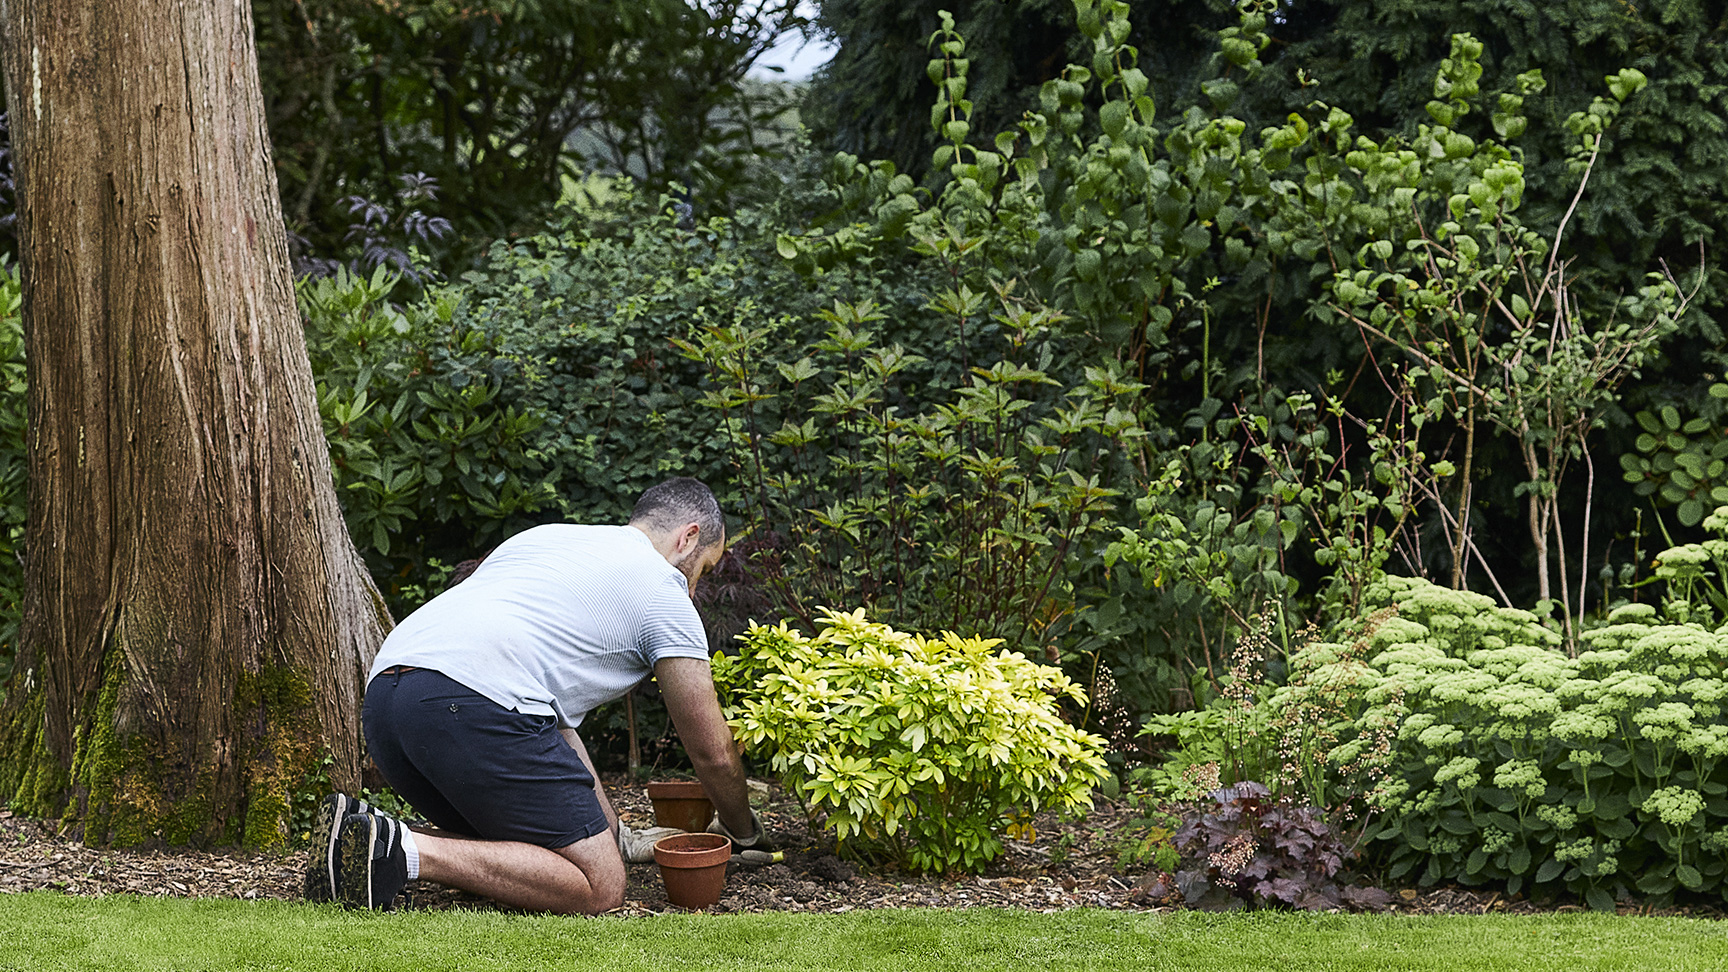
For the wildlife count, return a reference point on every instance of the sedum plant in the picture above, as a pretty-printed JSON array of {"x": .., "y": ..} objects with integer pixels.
[
  {"x": 920, "y": 751},
  {"x": 1512, "y": 763}
]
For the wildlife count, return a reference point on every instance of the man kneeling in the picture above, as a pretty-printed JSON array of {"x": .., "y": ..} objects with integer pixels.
[{"x": 473, "y": 702}]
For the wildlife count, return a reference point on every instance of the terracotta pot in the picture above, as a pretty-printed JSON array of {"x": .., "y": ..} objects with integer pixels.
[
  {"x": 693, "y": 867},
  {"x": 682, "y": 804}
]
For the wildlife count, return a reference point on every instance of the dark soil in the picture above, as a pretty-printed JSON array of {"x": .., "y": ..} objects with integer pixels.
[{"x": 1068, "y": 864}]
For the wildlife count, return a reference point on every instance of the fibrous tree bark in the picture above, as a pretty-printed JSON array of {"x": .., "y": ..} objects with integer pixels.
[{"x": 196, "y": 621}]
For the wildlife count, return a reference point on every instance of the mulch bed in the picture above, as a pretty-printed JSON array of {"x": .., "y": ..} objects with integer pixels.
[{"x": 1067, "y": 865}]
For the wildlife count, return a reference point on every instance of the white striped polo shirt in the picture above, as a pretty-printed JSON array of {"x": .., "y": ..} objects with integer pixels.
[{"x": 557, "y": 620}]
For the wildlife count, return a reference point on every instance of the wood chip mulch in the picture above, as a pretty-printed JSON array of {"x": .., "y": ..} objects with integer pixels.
[{"x": 1068, "y": 864}]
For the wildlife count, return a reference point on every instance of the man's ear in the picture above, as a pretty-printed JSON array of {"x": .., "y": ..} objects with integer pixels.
[{"x": 688, "y": 537}]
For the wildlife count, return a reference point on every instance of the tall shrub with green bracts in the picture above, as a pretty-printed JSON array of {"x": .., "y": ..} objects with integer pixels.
[
  {"x": 1517, "y": 765},
  {"x": 921, "y": 751}
]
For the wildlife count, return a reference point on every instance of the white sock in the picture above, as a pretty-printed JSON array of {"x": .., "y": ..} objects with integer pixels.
[{"x": 411, "y": 851}]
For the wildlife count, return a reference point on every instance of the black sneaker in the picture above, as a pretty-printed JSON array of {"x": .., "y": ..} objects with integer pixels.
[
  {"x": 321, "y": 874},
  {"x": 371, "y": 865}
]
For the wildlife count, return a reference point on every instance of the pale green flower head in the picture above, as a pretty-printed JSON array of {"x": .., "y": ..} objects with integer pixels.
[
  {"x": 1625, "y": 614},
  {"x": 1390, "y": 794},
  {"x": 1705, "y": 742},
  {"x": 1521, "y": 702},
  {"x": 1677, "y": 643},
  {"x": 1414, "y": 724},
  {"x": 1521, "y": 774},
  {"x": 1503, "y": 662},
  {"x": 1440, "y": 736},
  {"x": 1462, "y": 686},
  {"x": 1581, "y": 726},
  {"x": 1603, "y": 661},
  {"x": 1460, "y": 767},
  {"x": 1717, "y": 521},
  {"x": 1577, "y": 690},
  {"x": 1676, "y": 806},
  {"x": 1495, "y": 840},
  {"x": 1523, "y": 627},
  {"x": 1673, "y": 716},
  {"x": 1678, "y": 558},
  {"x": 1562, "y": 818},
  {"x": 1411, "y": 656},
  {"x": 1633, "y": 685},
  {"x": 1705, "y": 689},
  {"x": 1398, "y": 631}
]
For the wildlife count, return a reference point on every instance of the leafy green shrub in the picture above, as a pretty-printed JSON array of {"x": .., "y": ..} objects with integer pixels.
[
  {"x": 429, "y": 459},
  {"x": 920, "y": 750},
  {"x": 1682, "y": 462},
  {"x": 1513, "y": 763},
  {"x": 592, "y": 311},
  {"x": 961, "y": 513}
]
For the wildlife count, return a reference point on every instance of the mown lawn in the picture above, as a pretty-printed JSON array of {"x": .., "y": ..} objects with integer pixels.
[{"x": 43, "y": 931}]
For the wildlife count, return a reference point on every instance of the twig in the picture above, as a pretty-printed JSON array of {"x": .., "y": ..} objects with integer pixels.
[
  {"x": 1554, "y": 254},
  {"x": 1584, "y": 554}
]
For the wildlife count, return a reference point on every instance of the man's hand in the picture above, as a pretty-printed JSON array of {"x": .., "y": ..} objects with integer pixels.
[{"x": 757, "y": 840}]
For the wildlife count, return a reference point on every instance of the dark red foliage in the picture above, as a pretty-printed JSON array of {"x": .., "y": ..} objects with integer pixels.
[{"x": 1242, "y": 847}]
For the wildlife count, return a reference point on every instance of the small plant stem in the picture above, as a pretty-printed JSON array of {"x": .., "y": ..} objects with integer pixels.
[
  {"x": 1460, "y": 559},
  {"x": 1205, "y": 352},
  {"x": 635, "y": 759},
  {"x": 1565, "y": 589},
  {"x": 1584, "y": 553}
]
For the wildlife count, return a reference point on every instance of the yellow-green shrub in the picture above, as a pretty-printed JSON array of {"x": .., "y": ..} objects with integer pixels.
[{"x": 920, "y": 750}]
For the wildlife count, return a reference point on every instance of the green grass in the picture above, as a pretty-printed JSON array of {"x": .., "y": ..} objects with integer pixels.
[{"x": 42, "y": 932}]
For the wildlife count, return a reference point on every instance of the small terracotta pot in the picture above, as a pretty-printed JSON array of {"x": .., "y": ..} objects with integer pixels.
[
  {"x": 693, "y": 867},
  {"x": 681, "y": 804}
]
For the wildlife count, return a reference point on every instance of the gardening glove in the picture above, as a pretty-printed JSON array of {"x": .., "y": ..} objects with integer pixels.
[{"x": 755, "y": 842}]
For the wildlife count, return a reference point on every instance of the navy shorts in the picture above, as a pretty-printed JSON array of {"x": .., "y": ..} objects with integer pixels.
[{"x": 473, "y": 767}]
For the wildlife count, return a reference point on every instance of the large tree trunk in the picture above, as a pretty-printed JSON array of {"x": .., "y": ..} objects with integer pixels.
[{"x": 196, "y": 621}]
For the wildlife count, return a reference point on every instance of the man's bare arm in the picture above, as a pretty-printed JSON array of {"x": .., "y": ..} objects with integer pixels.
[{"x": 687, "y": 685}]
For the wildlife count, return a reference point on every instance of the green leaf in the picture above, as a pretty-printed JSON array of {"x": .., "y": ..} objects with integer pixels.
[
  {"x": 1691, "y": 512},
  {"x": 1661, "y": 880},
  {"x": 1518, "y": 862},
  {"x": 1626, "y": 83},
  {"x": 1113, "y": 117},
  {"x": 1477, "y": 860},
  {"x": 1087, "y": 264},
  {"x": 1613, "y": 806}
]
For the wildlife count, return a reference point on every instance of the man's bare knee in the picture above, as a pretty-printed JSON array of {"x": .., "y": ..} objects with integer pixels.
[
  {"x": 598, "y": 859},
  {"x": 597, "y": 903}
]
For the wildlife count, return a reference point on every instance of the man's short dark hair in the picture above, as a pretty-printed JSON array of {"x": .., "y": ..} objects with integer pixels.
[{"x": 678, "y": 501}]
